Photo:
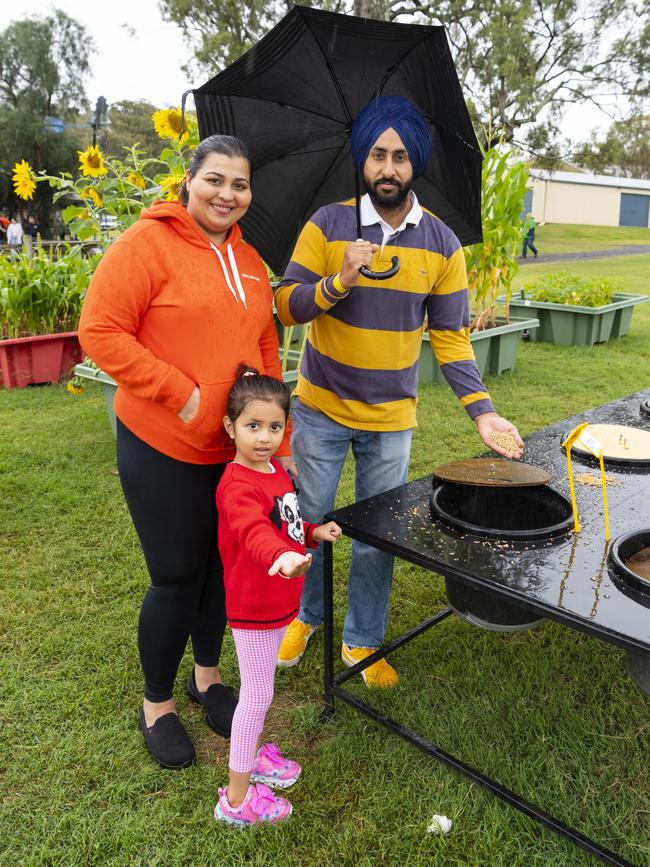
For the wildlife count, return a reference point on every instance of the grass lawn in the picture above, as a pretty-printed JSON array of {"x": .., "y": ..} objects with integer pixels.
[
  {"x": 548, "y": 712},
  {"x": 560, "y": 238}
]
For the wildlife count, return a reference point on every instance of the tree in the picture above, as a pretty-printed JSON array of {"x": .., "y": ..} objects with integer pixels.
[
  {"x": 219, "y": 32},
  {"x": 131, "y": 124},
  {"x": 624, "y": 151},
  {"x": 43, "y": 63},
  {"x": 516, "y": 59}
]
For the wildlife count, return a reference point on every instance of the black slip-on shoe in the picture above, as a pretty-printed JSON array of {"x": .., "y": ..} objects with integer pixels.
[
  {"x": 219, "y": 703},
  {"x": 168, "y": 742}
]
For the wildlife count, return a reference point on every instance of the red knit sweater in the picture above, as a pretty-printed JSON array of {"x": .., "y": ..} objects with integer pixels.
[{"x": 259, "y": 519}]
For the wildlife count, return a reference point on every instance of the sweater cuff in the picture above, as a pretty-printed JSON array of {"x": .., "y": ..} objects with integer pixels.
[
  {"x": 174, "y": 389},
  {"x": 279, "y": 553},
  {"x": 479, "y": 407},
  {"x": 332, "y": 289},
  {"x": 310, "y": 542}
]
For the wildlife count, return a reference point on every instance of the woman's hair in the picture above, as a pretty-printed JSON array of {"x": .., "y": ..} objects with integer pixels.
[
  {"x": 227, "y": 145},
  {"x": 249, "y": 385}
]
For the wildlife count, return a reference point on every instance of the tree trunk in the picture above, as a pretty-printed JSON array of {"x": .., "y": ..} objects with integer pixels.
[{"x": 361, "y": 8}]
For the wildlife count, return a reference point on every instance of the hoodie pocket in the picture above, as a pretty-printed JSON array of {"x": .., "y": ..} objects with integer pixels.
[{"x": 206, "y": 430}]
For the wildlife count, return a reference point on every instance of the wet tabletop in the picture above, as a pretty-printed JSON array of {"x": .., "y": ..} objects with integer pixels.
[{"x": 567, "y": 579}]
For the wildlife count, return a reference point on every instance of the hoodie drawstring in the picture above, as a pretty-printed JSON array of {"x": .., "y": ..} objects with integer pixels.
[{"x": 235, "y": 272}]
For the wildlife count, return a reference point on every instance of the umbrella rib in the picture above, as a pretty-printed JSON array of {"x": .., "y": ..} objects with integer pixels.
[
  {"x": 394, "y": 68},
  {"x": 327, "y": 172},
  {"x": 334, "y": 78},
  {"x": 309, "y": 111},
  {"x": 398, "y": 63}
]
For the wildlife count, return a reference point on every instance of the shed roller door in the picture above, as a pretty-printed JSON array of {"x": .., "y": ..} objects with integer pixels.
[{"x": 634, "y": 210}]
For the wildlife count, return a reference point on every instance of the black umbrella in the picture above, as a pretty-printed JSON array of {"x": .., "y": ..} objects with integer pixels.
[{"x": 292, "y": 99}]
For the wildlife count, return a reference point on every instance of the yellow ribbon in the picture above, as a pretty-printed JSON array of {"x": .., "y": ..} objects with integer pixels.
[
  {"x": 569, "y": 440},
  {"x": 567, "y": 444}
]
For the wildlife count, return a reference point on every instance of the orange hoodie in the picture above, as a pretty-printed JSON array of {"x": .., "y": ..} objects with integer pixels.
[{"x": 166, "y": 309}]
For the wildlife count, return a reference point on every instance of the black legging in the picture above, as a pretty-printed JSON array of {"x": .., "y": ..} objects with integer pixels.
[{"x": 172, "y": 504}]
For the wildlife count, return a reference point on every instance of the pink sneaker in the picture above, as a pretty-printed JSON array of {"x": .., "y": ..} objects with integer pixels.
[
  {"x": 259, "y": 805},
  {"x": 270, "y": 767}
]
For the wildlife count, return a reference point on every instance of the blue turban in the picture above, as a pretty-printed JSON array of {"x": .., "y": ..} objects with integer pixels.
[{"x": 400, "y": 114}]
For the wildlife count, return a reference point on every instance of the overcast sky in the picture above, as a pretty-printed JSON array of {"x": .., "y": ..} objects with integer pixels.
[{"x": 139, "y": 56}]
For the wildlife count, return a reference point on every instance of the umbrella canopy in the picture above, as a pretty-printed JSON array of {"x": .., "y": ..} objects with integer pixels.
[{"x": 292, "y": 99}]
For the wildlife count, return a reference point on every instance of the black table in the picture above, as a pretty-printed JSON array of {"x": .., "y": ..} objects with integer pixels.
[{"x": 565, "y": 579}]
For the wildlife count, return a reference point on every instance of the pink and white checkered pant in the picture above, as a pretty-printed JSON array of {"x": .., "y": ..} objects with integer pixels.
[{"x": 257, "y": 655}]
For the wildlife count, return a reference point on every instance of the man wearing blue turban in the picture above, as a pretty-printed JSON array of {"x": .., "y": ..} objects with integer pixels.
[
  {"x": 359, "y": 374},
  {"x": 397, "y": 113}
]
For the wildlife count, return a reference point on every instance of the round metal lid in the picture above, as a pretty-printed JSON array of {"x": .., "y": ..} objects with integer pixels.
[{"x": 492, "y": 472}]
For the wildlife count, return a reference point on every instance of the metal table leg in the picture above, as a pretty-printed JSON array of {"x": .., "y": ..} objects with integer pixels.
[
  {"x": 334, "y": 689},
  {"x": 328, "y": 629}
]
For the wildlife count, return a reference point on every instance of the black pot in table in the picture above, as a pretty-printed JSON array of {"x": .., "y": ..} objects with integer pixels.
[
  {"x": 635, "y": 587},
  {"x": 521, "y": 515}
]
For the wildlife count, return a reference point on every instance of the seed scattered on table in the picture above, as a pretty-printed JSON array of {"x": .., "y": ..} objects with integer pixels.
[{"x": 594, "y": 481}]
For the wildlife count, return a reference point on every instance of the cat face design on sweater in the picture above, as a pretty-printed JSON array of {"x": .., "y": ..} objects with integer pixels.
[{"x": 286, "y": 511}]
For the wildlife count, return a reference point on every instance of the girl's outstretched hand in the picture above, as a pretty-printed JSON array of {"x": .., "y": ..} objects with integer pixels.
[
  {"x": 329, "y": 532},
  {"x": 291, "y": 565}
]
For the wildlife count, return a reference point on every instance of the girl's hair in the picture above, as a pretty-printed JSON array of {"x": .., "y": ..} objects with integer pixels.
[
  {"x": 227, "y": 145},
  {"x": 249, "y": 385}
]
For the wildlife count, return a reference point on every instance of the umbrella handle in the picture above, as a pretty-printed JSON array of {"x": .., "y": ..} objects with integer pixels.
[{"x": 381, "y": 275}]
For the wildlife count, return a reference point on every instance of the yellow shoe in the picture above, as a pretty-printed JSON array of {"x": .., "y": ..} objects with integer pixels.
[
  {"x": 379, "y": 673},
  {"x": 295, "y": 642}
]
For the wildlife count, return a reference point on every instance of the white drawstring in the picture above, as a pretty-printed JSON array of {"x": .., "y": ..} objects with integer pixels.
[
  {"x": 235, "y": 273},
  {"x": 222, "y": 262}
]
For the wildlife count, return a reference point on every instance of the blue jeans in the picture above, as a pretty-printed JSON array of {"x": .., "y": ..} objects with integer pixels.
[{"x": 320, "y": 446}]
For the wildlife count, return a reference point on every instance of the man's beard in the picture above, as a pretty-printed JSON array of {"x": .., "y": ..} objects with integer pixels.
[{"x": 395, "y": 199}]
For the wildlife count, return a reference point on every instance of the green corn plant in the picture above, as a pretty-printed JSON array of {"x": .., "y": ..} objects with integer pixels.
[
  {"x": 492, "y": 265},
  {"x": 40, "y": 294}
]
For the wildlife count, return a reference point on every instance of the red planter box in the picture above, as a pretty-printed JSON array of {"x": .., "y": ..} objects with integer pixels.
[{"x": 30, "y": 360}]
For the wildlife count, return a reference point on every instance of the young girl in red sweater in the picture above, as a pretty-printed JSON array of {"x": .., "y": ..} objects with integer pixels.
[{"x": 262, "y": 541}]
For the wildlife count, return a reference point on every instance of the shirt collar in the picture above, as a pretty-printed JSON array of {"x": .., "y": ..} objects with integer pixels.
[{"x": 369, "y": 216}]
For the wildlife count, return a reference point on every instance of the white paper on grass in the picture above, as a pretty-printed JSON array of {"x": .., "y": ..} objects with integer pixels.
[{"x": 439, "y": 825}]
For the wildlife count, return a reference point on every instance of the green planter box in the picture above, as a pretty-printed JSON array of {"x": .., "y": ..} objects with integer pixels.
[
  {"x": 109, "y": 386},
  {"x": 571, "y": 325},
  {"x": 495, "y": 350}
]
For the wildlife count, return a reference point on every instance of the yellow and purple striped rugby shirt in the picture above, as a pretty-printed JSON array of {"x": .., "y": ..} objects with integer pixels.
[{"x": 360, "y": 365}]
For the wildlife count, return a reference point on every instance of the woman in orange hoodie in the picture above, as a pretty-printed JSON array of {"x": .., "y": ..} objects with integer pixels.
[{"x": 177, "y": 302}]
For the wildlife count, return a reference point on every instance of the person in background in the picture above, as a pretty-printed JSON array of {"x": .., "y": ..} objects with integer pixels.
[
  {"x": 32, "y": 228},
  {"x": 529, "y": 237},
  {"x": 358, "y": 379},
  {"x": 14, "y": 233},
  {"x": 4, "y": 222},
  {"x": 175, "y": 303}
]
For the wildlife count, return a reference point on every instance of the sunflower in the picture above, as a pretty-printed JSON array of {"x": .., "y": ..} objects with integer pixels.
[
  {"x": 91, "y": 162},
  {"x": 75, "y": 385},
  {"x": 92, "y": 194},
  {"x": 167, "y": 123},
  {"x": 23, "y": 178},
  {"x": 137, "y": 180},
  {"x": 171, "y": 185}
]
